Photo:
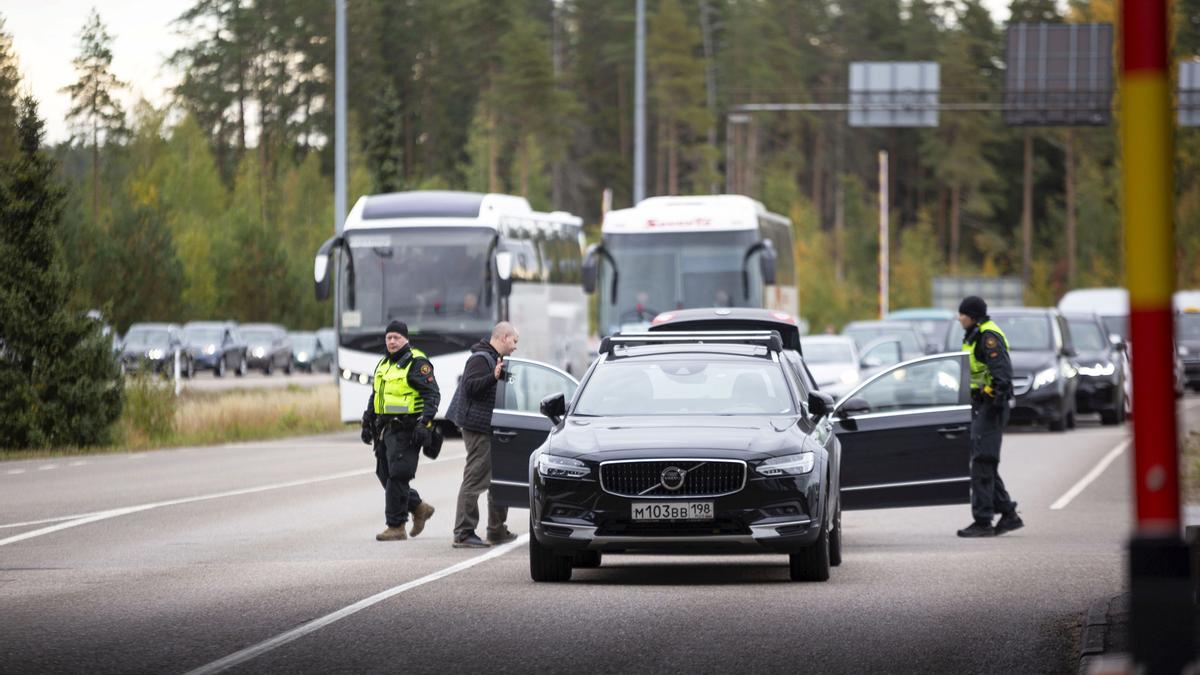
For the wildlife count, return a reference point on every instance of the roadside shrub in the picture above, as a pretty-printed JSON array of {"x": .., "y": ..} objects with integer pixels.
[{"x": 150, "y": 406}]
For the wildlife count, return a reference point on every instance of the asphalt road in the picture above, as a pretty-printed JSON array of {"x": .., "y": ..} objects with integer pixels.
[{"x": 172, "y": 561}]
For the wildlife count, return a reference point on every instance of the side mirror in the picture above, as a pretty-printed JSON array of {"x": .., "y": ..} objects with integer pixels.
[
  {"x": 504, "y": 266},
  {"x": 766, "y": 263},
  {"x": 871, "y": 362},
  {"x": 853, "y": 406},
  {"x": 321, "y": 266},
  {"x": 554, "y": 406},
  {"x": 591, "y": 270},
  {"x": 1117, "y": 343},
  {"x": 820, "y": 404}
]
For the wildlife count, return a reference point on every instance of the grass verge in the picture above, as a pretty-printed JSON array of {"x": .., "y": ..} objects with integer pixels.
[{"x": 154, "y": 418}]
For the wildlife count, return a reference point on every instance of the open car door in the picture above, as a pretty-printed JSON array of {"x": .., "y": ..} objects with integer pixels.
[
  {"x": 519, "y": 428},
  {"x": 905, "y": 435}
]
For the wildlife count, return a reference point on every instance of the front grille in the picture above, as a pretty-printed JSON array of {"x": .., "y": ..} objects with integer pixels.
[
  {"x": 1021, "y": 384},
  {"x": 704, "y": 477},
  {"x": 678, "y": 528}
]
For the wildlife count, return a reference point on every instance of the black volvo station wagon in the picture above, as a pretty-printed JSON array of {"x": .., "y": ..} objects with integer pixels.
[{"x": 711, "y": 441}]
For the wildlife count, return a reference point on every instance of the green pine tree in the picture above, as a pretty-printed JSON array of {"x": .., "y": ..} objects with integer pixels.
[{"x": 59, "y": 385}]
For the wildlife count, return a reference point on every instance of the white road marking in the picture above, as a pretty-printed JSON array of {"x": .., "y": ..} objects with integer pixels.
[
  {"x": 85, "y": 518},
  {"x": 77, "y": 463},
  {"x": 261, "y": 648},
  {"x": 1091, "y": 476},
  {"x": 47, "y": 467},
  {"x": 13, "y": 472}
]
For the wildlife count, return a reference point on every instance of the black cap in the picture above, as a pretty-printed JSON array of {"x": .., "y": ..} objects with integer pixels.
[
  {"x": 396, "y": 326},
  {"x": 973, "y": 306}
]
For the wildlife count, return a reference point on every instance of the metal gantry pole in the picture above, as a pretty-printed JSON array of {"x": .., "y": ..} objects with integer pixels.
[
  {"x": 639, "y": 107},
  {"x": 1159, "y": 574},
  {"x": 884, "y": 237},
  {"x": 339, "y": 120}
]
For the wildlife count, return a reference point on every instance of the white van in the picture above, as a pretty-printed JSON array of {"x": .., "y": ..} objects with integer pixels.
[{"x": 1111, "y": 304}]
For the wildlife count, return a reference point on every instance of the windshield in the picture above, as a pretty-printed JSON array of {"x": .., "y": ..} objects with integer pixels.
[
  {"x": 676, "y": 270},
  {"x": 147, "y": 338},
  {"x": 1088, "y": 336},
  {"x": 865, "y": 334},
  {"x": 258, "y": 336},
  {"x": 826, "y": 352},
  {"x": 1027, "y": 333},
  {"x": 434, "y": 279},
  {"x": 304, "y": 343},
  {"x": 1187, "y": 327},
  {"x": 1117, "y": 324},
  {"x": 685, "y": 386},
  {"x": 203, "y": 336}
]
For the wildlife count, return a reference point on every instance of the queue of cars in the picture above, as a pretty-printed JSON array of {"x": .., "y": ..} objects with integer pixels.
[{"x": 224, "y": 347}]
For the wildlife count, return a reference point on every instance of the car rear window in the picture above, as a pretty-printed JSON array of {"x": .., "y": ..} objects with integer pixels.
[{"x": 685, "y": 387}]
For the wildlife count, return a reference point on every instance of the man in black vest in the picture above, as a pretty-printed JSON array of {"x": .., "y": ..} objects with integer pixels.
[{"x": 476, "y": 399}]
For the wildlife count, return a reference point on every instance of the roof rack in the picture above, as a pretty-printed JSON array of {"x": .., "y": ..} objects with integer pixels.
[{"x": 764, "y": 338}]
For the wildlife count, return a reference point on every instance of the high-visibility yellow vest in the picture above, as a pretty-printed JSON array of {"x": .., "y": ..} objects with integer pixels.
[
  {"x": 393, "y": 394},
  {"x": 981, "y": 377}
]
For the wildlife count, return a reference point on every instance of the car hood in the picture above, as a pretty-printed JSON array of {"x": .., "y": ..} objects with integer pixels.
[
  {"x": 1090, "y": 357},
  {"x": 1030, "y": 362},
  {"x": 649, "y": 436}
]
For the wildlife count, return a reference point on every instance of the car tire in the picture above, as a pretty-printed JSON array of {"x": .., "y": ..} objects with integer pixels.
[
  {"x": 586, "y": 559},
  {"x": 287, "y": 370},
  {"x": 835, "y": 539},
  {"x": 1110, "y": 417},
  {"x": 190, "y": 371},
  {"x": 1059, "y": 424},
  {"x": 545, "y": 564},
  {"x": 268, "y": 369},
  {"x": 812, "y": 563},
  {"x": 241, "y": 369},
  {"x": 1071, "y": 419},
  {"x": 219, "y": 370}
]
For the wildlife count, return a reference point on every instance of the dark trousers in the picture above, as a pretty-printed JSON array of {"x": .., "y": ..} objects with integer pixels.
[
  {"x": 395, "y": 465},
  {"x": 988, "y": 495},
  {"x": 477, "y": 476}
]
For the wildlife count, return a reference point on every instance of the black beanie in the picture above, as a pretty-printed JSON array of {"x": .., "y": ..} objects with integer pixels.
[
  {"x": 973, "y": 306},
  {"x": 397, "y": 326}
]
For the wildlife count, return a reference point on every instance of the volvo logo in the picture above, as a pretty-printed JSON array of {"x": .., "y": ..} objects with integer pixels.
[{"x": 672, "y": 477}]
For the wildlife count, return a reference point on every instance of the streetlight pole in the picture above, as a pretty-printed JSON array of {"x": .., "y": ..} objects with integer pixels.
[
  {"x": 339, "y": 120},
  {"x": 639, "y": 107}
]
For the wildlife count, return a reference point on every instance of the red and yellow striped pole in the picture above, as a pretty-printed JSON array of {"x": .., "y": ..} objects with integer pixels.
[{"x": 1159, "y": 569}]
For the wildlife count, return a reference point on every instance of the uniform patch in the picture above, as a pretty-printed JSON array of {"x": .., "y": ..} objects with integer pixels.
[
  {"x": 993, "y": 355},
  {"x": 425, "y": 369},
  {"x": 990, "y": 342}
]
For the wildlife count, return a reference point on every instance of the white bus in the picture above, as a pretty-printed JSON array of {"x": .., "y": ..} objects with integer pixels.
[
  {"x": 683, "y": 252},
  {"x": 450, "y": 265}
]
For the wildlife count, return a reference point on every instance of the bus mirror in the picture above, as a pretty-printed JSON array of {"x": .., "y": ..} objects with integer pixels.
[
  {"x": 321, "y": 267},
  {"x": 766, "y": 263},
  {"x": 590, "y": 270},
  {"x": 504, "y": 265}
]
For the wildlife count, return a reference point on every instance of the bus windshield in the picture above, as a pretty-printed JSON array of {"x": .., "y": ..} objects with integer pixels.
[
  {"x": 675, "y": 270},
  {"x": 434, "y": 279}
]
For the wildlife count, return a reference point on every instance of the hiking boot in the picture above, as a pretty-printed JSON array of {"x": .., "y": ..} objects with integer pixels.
[
  {"x": 420, "y": 515},
  {"x": 501, "y": 537},
  {"x": 392, "y": 534},
  {"x": 1009, "y": 522},
  {"x": 978, "y": 529},
  {"x": 472, "y": 540}
]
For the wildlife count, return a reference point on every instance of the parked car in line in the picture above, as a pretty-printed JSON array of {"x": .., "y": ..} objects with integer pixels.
[
  {"x": 309, "y": 354},
  {"x": 1045, "y": 381},
  {"x": 1187, "y": 339},
  {"x": 910, "y": 342},
  {"x": 1101, "y": 362},
  {"x": 152, "y": 347},
  {"x": 267, "y": 347},
  {"x": 833, "y": 361},
  {"x": 216, "y": 346},
  {"x": 931, "y": 322}
]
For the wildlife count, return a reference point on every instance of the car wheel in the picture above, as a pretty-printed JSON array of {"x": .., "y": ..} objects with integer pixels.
[
  {"x": 1059, "y": 424},
  {"x": 545, "y": 564},
  {"x": 287, "y": 370},
  {"x": 835, "y": 539},
  {"x": 812, "y": 564},
  {"x": 1110, "y": 417},
  {"x": 583, "y": 559},
  {"x": 241, "y": 369},
  {"x": 190, "y": 372},
  {"x": 268, "y": 369},
  {"x": 1071, "y": 419},
  {"x": 219, "y": 371}
]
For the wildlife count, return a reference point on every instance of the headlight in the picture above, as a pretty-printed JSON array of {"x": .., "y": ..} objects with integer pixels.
[
  {"x": 1098, "y": 370},
  {"x": 302, "y": 356},
  {"x": 259, "y": 351},
  {"x": 210, "y": 350},
  {"x": 1045, "y": 377},
  {"x": 849, "y": 376},
  {"x": 551, "y": 466},
  {"x": 1183, "y": 351},
  {"x": 792, "y": 465},
  {"x": 154, "y": 354}
]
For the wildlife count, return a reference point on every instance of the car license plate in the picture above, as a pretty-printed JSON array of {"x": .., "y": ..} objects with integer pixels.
[{"x": 665, "y": 511}]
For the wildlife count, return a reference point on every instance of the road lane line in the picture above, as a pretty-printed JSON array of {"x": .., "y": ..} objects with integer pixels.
[
  {"x": 13, "y": 472},
  {"x": 47, "y": 467},
  {"x": 261, "y": 648},
  {"x": 1091, "y": 476},
  {"x": 85, "y": 518}
]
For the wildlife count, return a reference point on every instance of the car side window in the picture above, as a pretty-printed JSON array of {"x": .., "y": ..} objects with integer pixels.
[
  {"x": 926, "y": 384},
  {"x": 528, "y": 383},
  {"x": 797, "y": 367}
]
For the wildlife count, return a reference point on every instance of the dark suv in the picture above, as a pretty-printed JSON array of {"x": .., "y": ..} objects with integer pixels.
[
  {"x": 267, "y": 347},
  {"x": 152, "y": 347},
  {"x": 1100, "y": 360},
  {"x": 711, "y": 441},
  {"x": 216, "y": 346},
  {"x": 1187, "y": 339}
]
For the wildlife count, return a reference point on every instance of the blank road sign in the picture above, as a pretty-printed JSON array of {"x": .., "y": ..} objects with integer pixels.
[
  {"x": 1189, "y": 94},
  {"x": 894, "y": 94},
  {"x": 1059, "y": 74}
]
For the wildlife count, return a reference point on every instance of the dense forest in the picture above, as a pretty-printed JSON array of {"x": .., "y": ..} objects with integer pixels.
[{"x": 212, "y": 206}]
